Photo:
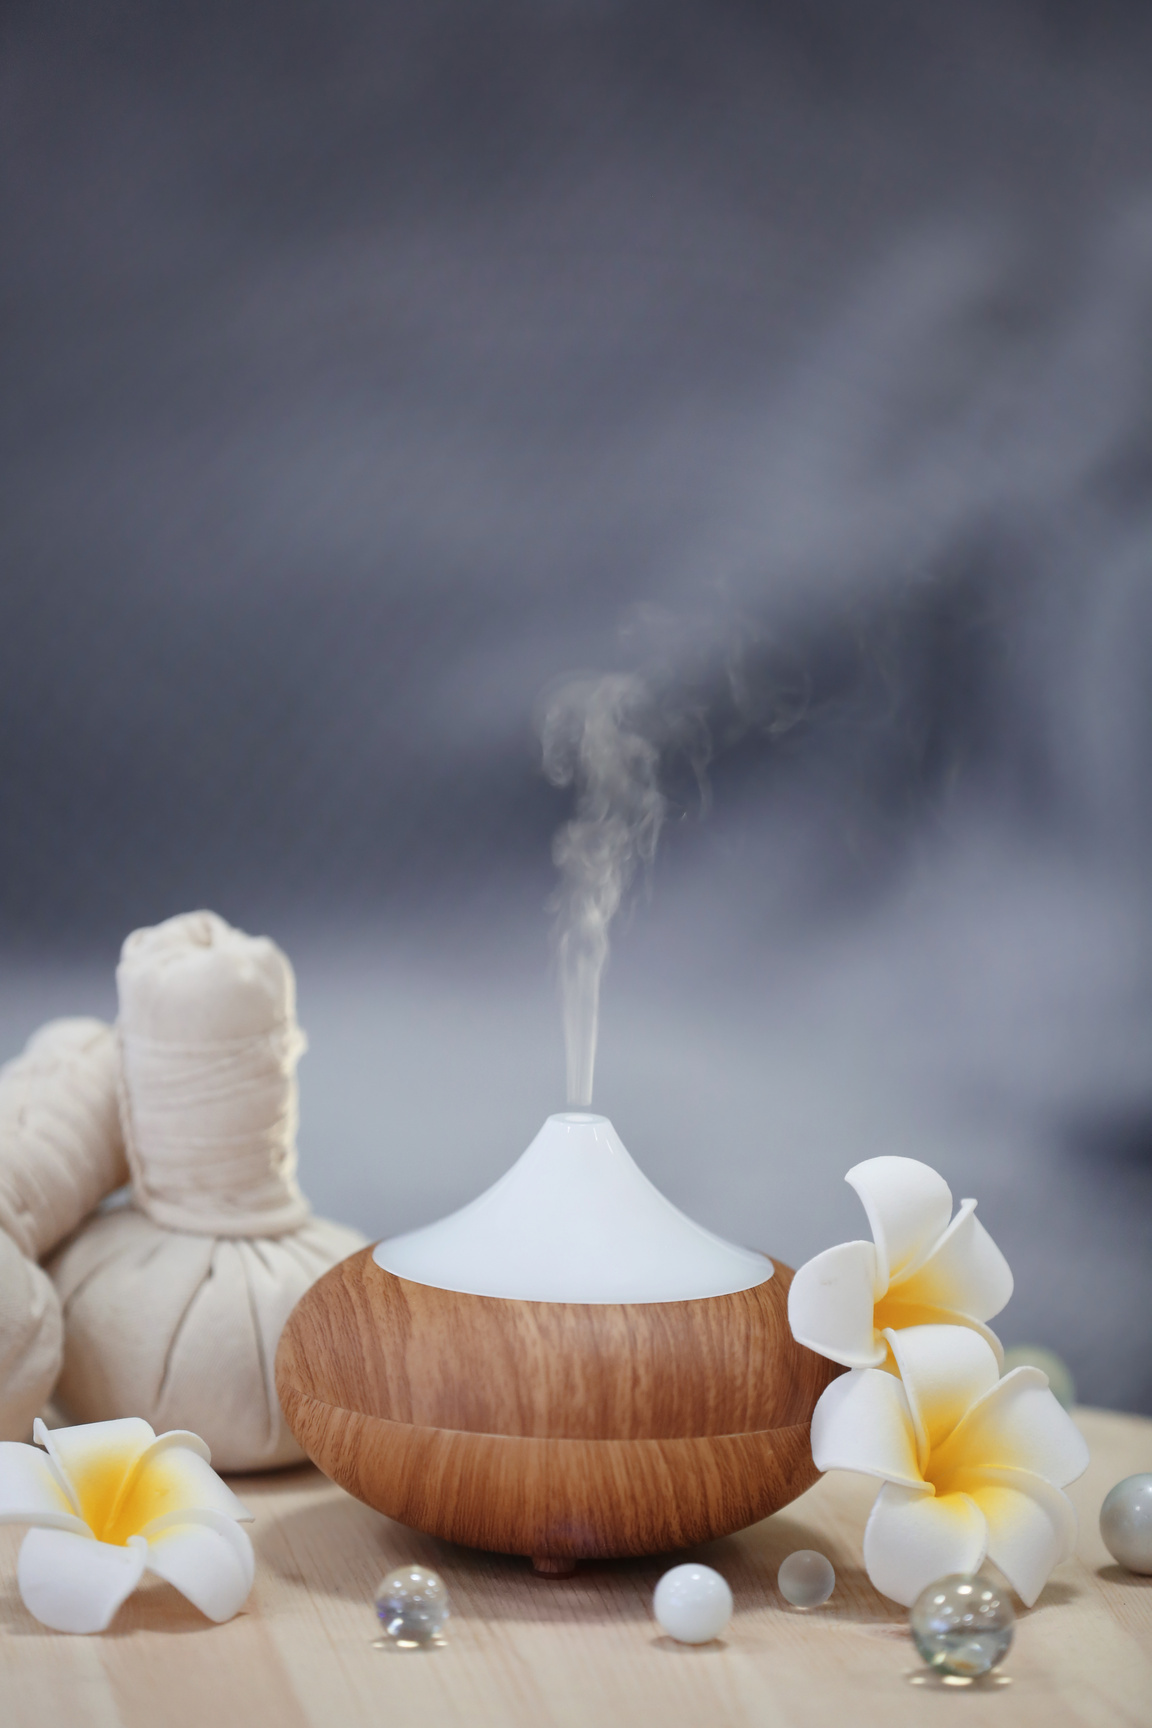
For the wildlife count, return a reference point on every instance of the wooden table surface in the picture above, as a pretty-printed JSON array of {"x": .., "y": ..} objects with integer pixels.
[{"x": 584, "y": 1650}]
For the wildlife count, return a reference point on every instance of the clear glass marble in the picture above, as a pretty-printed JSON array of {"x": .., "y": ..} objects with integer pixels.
[
  {"x": 806, "y": 1578},
  {"x": 693, "y": 1604},
  {"x": 1126, "y": 1523},
  {"x": 962, "y": 1625},
  {"x": 412, "y": 1606}
]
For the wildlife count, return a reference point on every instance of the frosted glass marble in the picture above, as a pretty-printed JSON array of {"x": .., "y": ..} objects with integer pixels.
[
  {"x": 806, "y": 1578},
  {"x": 962, "y": 1625},
  {"x": 1036, "y": 1356},
  {"x": 1126, "y": 1523},
  {"x": 693, "y": 1604},
  {"x": 412, "y": 1606}
]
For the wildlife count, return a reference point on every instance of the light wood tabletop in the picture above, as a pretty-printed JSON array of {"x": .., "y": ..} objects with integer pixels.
[{"x": 525, "y": 1652}]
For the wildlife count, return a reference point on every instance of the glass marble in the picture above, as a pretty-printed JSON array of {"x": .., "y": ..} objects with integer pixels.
[
  {"x": 1059, "y": 1374},
  {"x": 962, "y": 1625},
  {"x": 806, "y": 1578},
  {"x": 412, "y": 1606},
  {"x": 1126, "y": 1523},
  {"x": 693, "y": 1604}
]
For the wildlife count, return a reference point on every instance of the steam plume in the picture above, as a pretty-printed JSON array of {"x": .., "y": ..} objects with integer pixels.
[{"x": 601, "y": 736}]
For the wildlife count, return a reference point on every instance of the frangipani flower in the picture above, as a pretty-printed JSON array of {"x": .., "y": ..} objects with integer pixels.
[
  {"x": 108, "y": 1501},
  {"x": 919, "y": 1269},
  {"x": 972, "y": 1465}
]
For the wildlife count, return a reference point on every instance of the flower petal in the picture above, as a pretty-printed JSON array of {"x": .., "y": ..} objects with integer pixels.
[
  {"x": 207, "y": 1557},
  {"x": 965, "y": 1270},
  {"x": 31, "y": 1492},
  {"x": 945, "y": 1369},
  {"x": 890, "y": 1313},
  {"x": 95, "y": 1459},
  {"x": 183, "y": 1437},
  {"x": 830, "y": 1305},
  {"x": 73, "y": 1584},
  {"x": 908, "y": 1207},
  {"x": 911, "y": 1539},
  {"x": 862, "y": 1422},
  {"x": 172, "y": 1475},
  {"x": 1018, "y": 1425},
  {"x": 1031, "y": 1525}
]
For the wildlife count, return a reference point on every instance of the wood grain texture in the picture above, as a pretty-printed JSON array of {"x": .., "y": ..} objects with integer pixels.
[
  {"x": 368, "y": 1341},
  {"x": 558, "y": 1430},
  {"x": 523, "y": 1653}
]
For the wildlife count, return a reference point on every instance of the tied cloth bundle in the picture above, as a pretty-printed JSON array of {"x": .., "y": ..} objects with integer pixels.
[
  {"x": 173, "y": 1305},
  {"x": 61, "y": 1153}
]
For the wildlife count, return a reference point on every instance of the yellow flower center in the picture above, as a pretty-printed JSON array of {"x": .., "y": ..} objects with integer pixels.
[
  {"x": 896, "y": 1311},
  {"x": 940, "y": 1474},
  {"x": 102, "y": 1505},
  {"x": 119, "y": 1493}
]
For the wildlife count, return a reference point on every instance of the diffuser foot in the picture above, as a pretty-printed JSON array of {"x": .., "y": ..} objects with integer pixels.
[{"x": 553, "y": 1566}]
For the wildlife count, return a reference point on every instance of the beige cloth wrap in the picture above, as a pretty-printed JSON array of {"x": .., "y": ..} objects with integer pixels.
[
  {"x": 61, "y": 1148},
  {"x": 31, "y": 1341},
  {"x": 61, "y": 1152},
  {"x": 209, "y": 1046},
  {"x": 173, "y": 1306}
]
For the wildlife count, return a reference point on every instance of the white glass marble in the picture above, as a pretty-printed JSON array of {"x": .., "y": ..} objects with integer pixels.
[
  {"x": 573, "y": 1220},
  {"x": 692, "y": 1603},
  {"x": 806, "y": 1578},
  {"x": 1126, "y": 1523}
]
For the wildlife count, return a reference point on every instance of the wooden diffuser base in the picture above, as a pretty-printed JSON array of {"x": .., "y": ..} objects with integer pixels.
[{"x": 557, "y": 1430}]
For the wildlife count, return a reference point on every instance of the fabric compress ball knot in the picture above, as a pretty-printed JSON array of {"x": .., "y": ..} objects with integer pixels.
[{"x": 174, "y": 1305}]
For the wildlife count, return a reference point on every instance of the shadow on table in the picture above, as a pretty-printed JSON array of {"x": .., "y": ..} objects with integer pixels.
[
  {"x": 1120, "y": 1575},
  {"x": 252, "y": 1488},
  {"x": 1057, "y": 1593},
  {"x": 933, "y": 1681},
  {"x": 714, "y": 1646},
  {"x": 339, "y": 1547}
]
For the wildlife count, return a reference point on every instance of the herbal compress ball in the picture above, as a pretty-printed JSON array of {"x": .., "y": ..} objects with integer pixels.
[{"x": 174, "y": 1305}]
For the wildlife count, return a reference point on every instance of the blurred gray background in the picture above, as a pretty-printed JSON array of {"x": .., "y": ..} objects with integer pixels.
[{"x": 368, "y": 367}]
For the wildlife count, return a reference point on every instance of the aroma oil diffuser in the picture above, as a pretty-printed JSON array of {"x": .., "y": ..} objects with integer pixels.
[{"x": 567, "y": 1367}]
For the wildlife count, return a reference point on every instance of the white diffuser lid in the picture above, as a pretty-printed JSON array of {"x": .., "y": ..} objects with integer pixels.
[{"x": 574, "y": 1220}]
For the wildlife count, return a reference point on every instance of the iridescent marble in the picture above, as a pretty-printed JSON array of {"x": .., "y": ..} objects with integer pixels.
[
  {"x": 692, "y": 1603},
  {"x": 412, "y": 1606},
  {"x": 806, "y": 1578},
  {"x": 1126, "y": 1523},
  {"x": 962, "y": 1625}
]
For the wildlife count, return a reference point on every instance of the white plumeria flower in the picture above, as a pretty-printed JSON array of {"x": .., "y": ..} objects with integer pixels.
[
  {"x": 923, "y": 1267},
  {"x": 109, "y": 1500},
  {"x": 972, "y": 1465}
]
